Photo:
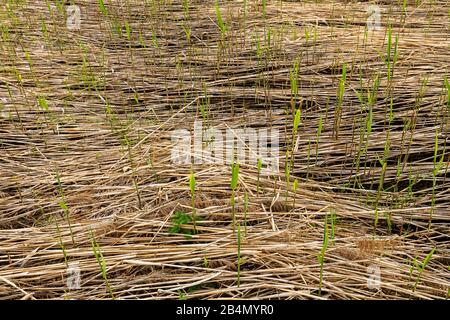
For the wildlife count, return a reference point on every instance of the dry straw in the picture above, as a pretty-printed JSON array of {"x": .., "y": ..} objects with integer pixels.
[{"x": 98, "y": 106}]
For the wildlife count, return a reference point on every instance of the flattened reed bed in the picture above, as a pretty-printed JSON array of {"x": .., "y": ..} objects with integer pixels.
[{"x": 113, "y": 103}]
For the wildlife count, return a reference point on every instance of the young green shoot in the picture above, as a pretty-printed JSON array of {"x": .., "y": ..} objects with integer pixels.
[
  {"x": 101, "y": 262},
  {"x": 233, "y": 184},
  {"x": 220, "y": 22},
  {"x": 437, "y": 166},
  {"x": 179, "y": 220},
  {"x": 192, "y": 187},
  {"x": 295, "y": 187},
  {"x": 61, "y": 243},
  {"x": 296, "y": 123},
  {"x": 340, "y": 100},
  {"x": 102, "y": 8},
  {"x": 287, "y": 175},
  {"x": 294, "y": 84},
  {"x": 321, "y": 256},
  {"x": 319, "y": 133},
  {"x": 420, "y": 267},
  {"x": 239, "y": 255},
  {"x": 63, "y": 205}
]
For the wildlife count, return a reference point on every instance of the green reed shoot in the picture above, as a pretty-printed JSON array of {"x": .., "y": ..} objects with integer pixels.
[
  {"x": 264, "y": 8},
  {"x": 179, "y": 220},
  {"x": 404, "y": 10},
  {"x": 447, "y": 86},
  {"x": 319, "y": 133},
  {"x": 154, "y": 39},
  {"x": 295, "y": 187},
  {"x": 128, "y": 33},
  {"x": 181, "y": 295},
  {"x": 296, "y": 123},
  {"x": 436, "y": 168},
  {"x": 321, "y": 256},
  {"x": 101, "y": 262},
  {"x": 258, "y": 47},
  {"x": 61, "y": 243},
  {"x": 333, "y": 223},
  {"x": 187, "y": 31},
  {"x": 63, "y": 205},
  {"x": 383, "y": 162},
  {"x": 308, "y": 156},
  {"x": 365, "y": 134},
  {"x": 245, "y": 10},
  {"x": 342, "y": 84},
  {"x": 258, "y": 167},
  {"x": 287, "y": 175},
  {"x": 192, "y": 186},
  {"x": 294, "y": 84},
  {"x": 391, "y": 55},
  {"x": 102, "y": 8},
  {"x": 239, "y": 255},
  {"x": 59, "y": 6},
  {"x": 43, "y": 103},
  {"x": 340, "y": 100},
  {"x": 220, "y": 22},
  {"x": 420, "y": 267},
  {"x": 186, "y": 8},
  {"x": 297, "y": 118},
  {"x": 233, "y": 184}
]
